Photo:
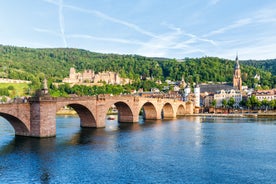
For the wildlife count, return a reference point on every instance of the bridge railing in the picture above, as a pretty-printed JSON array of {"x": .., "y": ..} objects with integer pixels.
[
  {"x": 96, "y": 97},
  {"x": 16, "y": 100},
  {"x": 161, "y": 95}
]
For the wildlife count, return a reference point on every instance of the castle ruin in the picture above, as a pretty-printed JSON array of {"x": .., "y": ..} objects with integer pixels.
[{"x": 89, "y": 76}]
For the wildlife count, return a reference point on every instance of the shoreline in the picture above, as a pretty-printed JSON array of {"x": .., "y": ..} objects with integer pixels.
[
  {"x": 236, "y": 115},
  {"x": 262, "y": 114},
  {"x": 66, "y": 112}
]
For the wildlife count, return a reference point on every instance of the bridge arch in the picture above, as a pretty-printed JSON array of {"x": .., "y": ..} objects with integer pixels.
[
  {"x": 18, "y": 125},
  {"x": 125, "y": 113},
  {"x": 87, "y": 119},
  {"x": 181, "y": 110},
  {"x": 150, "y": 111},
  {"x": 168, "y": 112}
]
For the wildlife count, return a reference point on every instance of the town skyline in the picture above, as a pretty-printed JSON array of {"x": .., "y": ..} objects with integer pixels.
[{"x": 173, "y": 29}]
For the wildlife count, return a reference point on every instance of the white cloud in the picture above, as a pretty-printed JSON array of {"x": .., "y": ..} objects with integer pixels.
[
  {"x": 117, "y": 40},
  {"x": 175, "y": 41},
  {"x": 266, "y": 15},
  {"x": 60, "y": 5},
  {"x": 61, "y": 22},
  {"x": 170, "y": 43},
  {"x": 239, "y": 23},
  {"x": 41, "y": 30},
  {"x": 112, "y": 19},
  {"x": 159, "y": 45},
  {"x": 55, "y": 2},
  {"x": 214, "y": 2}
]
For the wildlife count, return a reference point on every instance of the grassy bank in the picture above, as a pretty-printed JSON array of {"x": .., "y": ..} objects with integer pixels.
[
  {"x": 18, "y": 89},
  {"x": 66, "y": 112}
]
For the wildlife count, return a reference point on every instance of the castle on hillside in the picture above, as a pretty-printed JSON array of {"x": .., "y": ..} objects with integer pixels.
[{"x": 89, "y": 76}]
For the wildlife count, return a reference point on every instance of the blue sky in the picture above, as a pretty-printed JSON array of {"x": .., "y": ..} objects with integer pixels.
[{"x": 160, "y": 28}]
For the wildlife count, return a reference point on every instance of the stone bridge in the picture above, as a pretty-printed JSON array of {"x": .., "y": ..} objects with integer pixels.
[{"x": 37, "y": 117}]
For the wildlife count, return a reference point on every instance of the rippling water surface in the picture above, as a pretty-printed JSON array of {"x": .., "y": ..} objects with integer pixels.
[{"x": 187, "y": 150}]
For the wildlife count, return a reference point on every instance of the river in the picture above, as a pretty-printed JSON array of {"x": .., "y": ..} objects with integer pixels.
[{"x": 186, "y": 150}]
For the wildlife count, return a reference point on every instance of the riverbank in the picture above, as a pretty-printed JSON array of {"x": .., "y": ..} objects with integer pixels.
[
  {"x": 263, "y": 114},
  {"x": 66, "y": 112},
  {"x": 260, "y": 114}
]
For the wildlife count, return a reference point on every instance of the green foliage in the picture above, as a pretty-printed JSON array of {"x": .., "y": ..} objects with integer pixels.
[
  {"x": 3, "y": 99},
  {"x": 64, "y": 90},
  {"x": 54, "y": 64},
  {"x": 11, "y": 88},
  {"x": 224, "y": 103},
  {"x": 14, "y": 89},
  {"x": 231, "y": 102},
  {"x": 272, "y": 104},
  {"x": 214, "y": 103},
  {"x": 252, "y": 102},
  {"x": 4, "y": 92},
  {"x": 268, "y": 65}
]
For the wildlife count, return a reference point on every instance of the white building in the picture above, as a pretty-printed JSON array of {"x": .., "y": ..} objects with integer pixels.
[
  {"x": 197, "y": 95},
  {"x": 226, "y": 95},
  {"x": 265, "y": 94},
  {"x": 187, "y": 91}
]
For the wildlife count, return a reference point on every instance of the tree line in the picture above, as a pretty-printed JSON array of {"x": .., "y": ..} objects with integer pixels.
[
  {"x": 251, "y": 103},
  {"x": 54, "y": 64}
]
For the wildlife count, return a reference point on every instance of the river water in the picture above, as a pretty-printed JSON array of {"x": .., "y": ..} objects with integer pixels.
[{"x": 186, "y": 150}]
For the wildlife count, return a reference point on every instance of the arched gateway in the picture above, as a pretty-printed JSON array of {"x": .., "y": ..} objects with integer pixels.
[{"x": 37, "y": 117}]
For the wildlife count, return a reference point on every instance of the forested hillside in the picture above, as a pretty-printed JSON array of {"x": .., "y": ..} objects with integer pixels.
[
  {"x": 54, "y": 64},
  {"x": 268, "y": 65}
]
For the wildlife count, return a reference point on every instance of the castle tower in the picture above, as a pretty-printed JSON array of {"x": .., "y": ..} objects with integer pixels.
[
  {"x": 72, "y": 74},
  {"x": 237, "y": 81}
]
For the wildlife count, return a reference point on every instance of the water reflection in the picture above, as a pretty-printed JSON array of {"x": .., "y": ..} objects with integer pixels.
[
  {"x": 198, "y": 131},
  {"x": 191, "y": 149},
  {"x": 29, "y": 145}
]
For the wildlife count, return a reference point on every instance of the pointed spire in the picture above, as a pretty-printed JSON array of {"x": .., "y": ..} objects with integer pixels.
[{"x": 237, "y": 61}]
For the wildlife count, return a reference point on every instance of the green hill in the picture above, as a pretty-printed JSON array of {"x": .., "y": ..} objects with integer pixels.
[
  {"x": 54, "y": 64},
  {"x": 267, "y": 65}
]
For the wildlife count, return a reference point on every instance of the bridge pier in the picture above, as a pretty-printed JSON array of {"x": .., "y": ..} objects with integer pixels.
[
  {"x": 42, "y": 117},
  {"x": 100, "y": 113},
  {"x": 128, "y": 119}
]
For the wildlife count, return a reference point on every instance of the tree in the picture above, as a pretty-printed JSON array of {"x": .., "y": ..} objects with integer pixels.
[
  {"x": 252, "y": 102},
  {"x": 272, "y": 104},
  {"x": 242, "y": 103},
  {"x": 4, "y": 99},
  {"x": 214, "y": 103},
  {"x": 248, "y": 104},
  {"x": 231, "y": 102},
  {"x": 224, "y": 103},
  {"x": 265, "y": 104}
]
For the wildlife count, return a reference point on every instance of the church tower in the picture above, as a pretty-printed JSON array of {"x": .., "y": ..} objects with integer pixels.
[{"x": 237, "y": 81}]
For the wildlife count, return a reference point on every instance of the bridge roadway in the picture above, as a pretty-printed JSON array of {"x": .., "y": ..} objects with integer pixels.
[{"x": 37, "y": 116}]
